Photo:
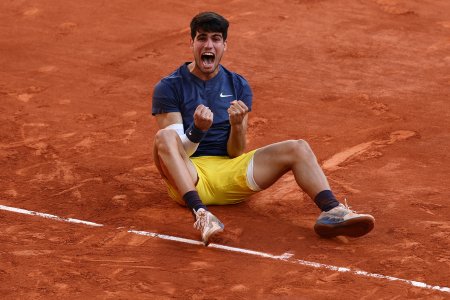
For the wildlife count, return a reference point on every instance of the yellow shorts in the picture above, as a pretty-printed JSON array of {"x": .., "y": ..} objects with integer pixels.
[{"x": 221, "y": 180}]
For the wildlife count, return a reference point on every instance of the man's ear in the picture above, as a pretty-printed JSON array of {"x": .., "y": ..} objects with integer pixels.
[
  {"x": 191, "y": 43},
  {"x": 225, "y": 46}
]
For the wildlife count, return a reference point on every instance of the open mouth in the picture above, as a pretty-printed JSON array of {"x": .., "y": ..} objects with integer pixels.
[{"x": 208, "y": 59}]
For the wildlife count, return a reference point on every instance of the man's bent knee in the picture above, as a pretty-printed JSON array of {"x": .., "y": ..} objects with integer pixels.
[
  {"x": 166, "y": 139},
  {"x": 304, "y": 146},
  {"x": 300, "y": 148}
]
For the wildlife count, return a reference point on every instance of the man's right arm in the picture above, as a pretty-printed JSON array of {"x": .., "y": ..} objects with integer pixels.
[
  {"x": 167, "y": 119},
  {"x": 174, "y": 121},
  {"x": 203, "y": 118}
]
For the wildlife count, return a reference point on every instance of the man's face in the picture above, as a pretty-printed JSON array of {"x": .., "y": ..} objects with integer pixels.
[{"x": 208, "y": 48}]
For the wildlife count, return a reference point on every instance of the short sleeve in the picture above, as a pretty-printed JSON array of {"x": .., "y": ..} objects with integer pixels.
[
  {"x": 247, "y": 96},
  {"x": 244, "y": 92},
  {"x": 164, "y": 99}
]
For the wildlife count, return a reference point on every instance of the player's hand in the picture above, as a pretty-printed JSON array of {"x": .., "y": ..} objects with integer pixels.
[
  {"x": 203, "y": 117},
  {"x": 237, "y": 112}
]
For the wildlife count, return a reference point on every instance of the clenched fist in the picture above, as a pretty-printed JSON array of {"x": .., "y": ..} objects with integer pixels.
[
  {"x": 203, "y": 117},
  {"x": 237, "y": 112}
]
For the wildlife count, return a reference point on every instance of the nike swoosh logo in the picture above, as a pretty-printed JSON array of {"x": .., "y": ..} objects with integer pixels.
[{"x": 223, "y": 96}]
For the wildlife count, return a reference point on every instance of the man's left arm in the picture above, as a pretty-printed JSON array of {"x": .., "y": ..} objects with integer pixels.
[{"x": 238, "y": 114}]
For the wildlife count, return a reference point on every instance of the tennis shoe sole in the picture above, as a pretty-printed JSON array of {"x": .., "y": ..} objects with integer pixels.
[{"x": 354, "y": 227}]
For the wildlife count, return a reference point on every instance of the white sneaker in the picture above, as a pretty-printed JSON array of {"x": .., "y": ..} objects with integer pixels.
[
  {"x": 343, "y": 221},
  {"x": 208, "y": 224}
]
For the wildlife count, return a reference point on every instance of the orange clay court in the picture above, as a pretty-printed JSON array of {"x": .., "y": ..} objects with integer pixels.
[{"x": 366, "y": 83}]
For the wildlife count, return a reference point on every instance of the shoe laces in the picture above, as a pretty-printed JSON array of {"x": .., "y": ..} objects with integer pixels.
[
  {"x": 347, "y": 207},
  {"x": 346, "y": 204},
  {"x": 201, "y": 219},
  {"x": 338, "y": 212}
]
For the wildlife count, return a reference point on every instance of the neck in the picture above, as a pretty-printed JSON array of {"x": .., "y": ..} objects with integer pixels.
[{"x": 203, "y": 76}]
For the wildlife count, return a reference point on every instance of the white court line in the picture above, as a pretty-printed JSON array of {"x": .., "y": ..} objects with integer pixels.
[
  {"x": 288, "y": 257},
  {"x": 47, "y": 216}
]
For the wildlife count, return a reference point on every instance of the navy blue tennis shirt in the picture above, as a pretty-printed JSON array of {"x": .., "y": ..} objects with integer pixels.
[{"x": 182, "y": 92}]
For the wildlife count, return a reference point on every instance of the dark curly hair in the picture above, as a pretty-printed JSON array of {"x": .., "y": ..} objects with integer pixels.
[{"x": 209, "y": 22}]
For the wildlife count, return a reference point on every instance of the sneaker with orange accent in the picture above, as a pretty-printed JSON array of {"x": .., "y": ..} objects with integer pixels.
[
  {"x": 208, "y": 224},
  {"x": 341, "y": 220}
]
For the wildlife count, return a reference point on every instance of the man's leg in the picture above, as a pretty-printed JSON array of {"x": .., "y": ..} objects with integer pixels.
[
  {"x": 174, "y": 164},
  {"x": 272, "y": 161}
]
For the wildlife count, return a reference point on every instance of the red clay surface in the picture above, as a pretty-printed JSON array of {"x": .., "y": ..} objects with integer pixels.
[{"x": 366, "y": 83}]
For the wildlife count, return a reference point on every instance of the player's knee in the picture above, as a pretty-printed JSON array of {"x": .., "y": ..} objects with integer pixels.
[
  {"x": 301, "y": 149},
  {"x": 165, "y": 139}
]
